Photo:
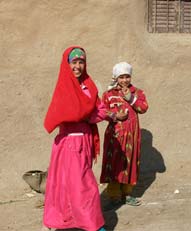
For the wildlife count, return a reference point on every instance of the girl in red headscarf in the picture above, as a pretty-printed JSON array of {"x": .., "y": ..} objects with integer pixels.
[{"x": 72, "y": 198}]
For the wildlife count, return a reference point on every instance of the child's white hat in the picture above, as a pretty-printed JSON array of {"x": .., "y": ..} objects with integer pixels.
[{"x": 121, "y": 69}]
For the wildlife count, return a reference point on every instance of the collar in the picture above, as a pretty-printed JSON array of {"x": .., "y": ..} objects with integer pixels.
[{"x": 83, "y": 86}]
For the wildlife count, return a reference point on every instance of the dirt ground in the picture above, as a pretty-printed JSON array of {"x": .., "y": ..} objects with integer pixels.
[{"x": 33, "y": 36}]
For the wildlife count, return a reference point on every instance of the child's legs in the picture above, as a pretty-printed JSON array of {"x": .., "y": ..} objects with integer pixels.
[
  {"x": 126, "y": 195},
  {"x": 113, "y": 190},
  {"x": 126, "y": 189}
]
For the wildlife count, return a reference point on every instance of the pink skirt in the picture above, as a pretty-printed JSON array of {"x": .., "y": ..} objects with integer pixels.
[{"x": 72, "y": 198}]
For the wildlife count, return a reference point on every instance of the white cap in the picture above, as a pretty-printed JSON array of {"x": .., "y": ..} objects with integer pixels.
[{"x": 121, "y": 69}]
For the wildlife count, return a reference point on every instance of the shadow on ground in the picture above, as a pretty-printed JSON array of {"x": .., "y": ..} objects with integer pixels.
[
  {"x": 110, "y": 216},
  {"x": 111, "y": 220},
  {"x": 151, "y": 163}
]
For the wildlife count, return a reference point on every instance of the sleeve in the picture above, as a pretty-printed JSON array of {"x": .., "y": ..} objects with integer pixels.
[
  {"x": 110, "y": 116},
  {"x": 139, "y": 102},
  {"x": 99, "y": 114},
  {"x": 105, "y": 100}
]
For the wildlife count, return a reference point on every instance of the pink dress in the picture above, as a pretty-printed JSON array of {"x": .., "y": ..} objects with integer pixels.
[{"x": 72, "y": 198}]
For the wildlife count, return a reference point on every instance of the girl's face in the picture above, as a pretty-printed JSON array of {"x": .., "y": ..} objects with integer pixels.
[
  {"x": 77, "y": 66},
  {"x": 124, "y": 80}
]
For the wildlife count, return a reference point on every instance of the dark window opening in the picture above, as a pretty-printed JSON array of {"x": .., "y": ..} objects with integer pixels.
[{"x": 172, "y": 16}]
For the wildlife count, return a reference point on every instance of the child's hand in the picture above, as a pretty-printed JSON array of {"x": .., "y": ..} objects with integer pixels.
[
  {"x": 127, "y": 93},
  {"x": 125, "y": 90},
  {"x": 121, "y": 116}
]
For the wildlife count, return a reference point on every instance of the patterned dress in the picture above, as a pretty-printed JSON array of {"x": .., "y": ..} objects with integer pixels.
[{"x": 122, "y": 138}]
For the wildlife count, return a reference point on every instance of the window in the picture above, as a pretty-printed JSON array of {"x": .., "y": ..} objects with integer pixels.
[{"x": 169, "y": 16}]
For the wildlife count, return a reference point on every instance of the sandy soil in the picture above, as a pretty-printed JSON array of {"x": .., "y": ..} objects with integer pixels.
[{"x": 33, "y": 37}]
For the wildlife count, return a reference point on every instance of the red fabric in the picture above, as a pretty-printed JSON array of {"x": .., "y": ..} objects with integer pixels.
[
  {"x": 122, "y": 139},
  {"x": 69, "y": 103},
  {"x": 96, "y": 140}
]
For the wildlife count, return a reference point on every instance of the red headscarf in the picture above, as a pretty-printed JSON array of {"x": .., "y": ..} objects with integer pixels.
[{"x": 69, "y": 103}]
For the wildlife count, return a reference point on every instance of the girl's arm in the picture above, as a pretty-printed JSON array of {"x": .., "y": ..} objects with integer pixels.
[
  {"x": 99, "y": 114},
  {"x": 139, "y": 102},
  {"x": 102, "y": 112}
]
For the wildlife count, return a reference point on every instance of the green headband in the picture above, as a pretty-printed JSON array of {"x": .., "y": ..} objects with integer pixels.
[{"x": 76, "y": 53}]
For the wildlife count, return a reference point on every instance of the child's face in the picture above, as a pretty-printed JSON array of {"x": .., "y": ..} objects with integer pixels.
[
  {"x": 124, "y": 80},
  {"x": 77, "y": 66}
]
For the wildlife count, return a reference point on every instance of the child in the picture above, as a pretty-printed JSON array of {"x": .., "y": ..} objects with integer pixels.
[
  {"x": 121, "y": 155},
  {"x": 72, "y": 198}
]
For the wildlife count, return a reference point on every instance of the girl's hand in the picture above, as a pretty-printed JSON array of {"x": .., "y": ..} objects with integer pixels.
[
  {"x": 126, "y": 93},
  {"x": 125, "y": 90},
  {"x": 121, "y": 116}
]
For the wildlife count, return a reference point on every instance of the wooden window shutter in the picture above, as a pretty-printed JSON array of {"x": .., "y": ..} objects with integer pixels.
[{"x": 169, "y": 16}]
